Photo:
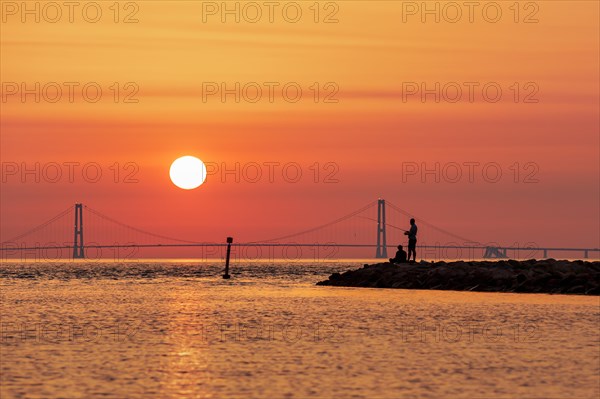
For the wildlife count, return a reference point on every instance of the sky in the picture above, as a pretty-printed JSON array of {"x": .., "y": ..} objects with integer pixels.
[{"x": 485, "y": 123}]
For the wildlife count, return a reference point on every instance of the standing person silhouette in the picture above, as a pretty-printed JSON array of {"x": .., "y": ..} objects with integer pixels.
[{"x": 412, "y": 240}]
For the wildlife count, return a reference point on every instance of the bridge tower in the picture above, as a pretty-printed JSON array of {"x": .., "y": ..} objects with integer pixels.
[
  {"x": 496, "y": 253},
  {"x": 78, "y": 249},
  {"x": 381, "y": 235}
]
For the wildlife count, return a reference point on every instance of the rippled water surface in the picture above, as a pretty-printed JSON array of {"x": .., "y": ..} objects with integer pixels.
[{"x": 165, "y": 329}]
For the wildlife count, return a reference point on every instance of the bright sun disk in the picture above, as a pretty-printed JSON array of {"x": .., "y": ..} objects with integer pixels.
[{"x": 188, "y": 172}]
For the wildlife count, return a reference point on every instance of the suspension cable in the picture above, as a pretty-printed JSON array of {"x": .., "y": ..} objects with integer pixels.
[
  {"x": 40, "y": 226},
  {"x": 429, "y": 224},
  {"x": 321, "y": 226},
  {"x": 107, "y": 218}
]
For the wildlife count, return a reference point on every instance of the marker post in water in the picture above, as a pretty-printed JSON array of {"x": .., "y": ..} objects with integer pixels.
[{"x": 229, "y": 241}]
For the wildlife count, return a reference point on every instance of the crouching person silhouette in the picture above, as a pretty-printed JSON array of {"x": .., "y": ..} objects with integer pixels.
[{"x": 400, "y": 256}]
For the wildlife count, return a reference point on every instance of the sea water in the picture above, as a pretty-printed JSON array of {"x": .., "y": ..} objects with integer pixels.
[{"x": 176, "y": 329}]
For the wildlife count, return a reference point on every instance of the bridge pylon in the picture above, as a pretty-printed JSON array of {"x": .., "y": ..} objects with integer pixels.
[
  {"x": 78, "y": 248},
  {"x": 381, "y": 233},
  {"x": 495, "y": 253}
]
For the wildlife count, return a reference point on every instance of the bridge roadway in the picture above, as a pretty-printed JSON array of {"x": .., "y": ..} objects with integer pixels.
[{"x": 500, "y": 249}]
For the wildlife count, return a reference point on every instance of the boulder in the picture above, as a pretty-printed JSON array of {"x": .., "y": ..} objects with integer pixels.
[{"x": 543, "y": 276}]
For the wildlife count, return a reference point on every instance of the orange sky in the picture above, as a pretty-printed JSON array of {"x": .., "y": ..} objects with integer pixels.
[{"x": 369, "y": 54}]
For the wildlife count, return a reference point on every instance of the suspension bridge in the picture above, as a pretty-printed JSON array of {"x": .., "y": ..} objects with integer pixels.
[{"x": 81, "y": 232}]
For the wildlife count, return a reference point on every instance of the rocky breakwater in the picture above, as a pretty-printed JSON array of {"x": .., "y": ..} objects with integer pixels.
[{"x": 533, "y": 276}]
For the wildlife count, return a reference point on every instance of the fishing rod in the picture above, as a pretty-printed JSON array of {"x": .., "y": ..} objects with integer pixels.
[{"x": 387, "y": 224}]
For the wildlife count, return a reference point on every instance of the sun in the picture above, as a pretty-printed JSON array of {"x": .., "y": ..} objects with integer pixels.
[{"x": 188, "y": 172}]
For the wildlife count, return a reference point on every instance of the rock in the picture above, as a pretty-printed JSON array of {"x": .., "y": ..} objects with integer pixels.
[
  {"x": 578, "y": 289},
  {"x": 544, "y": 276},
  {"x": 593, "y": 291}
]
